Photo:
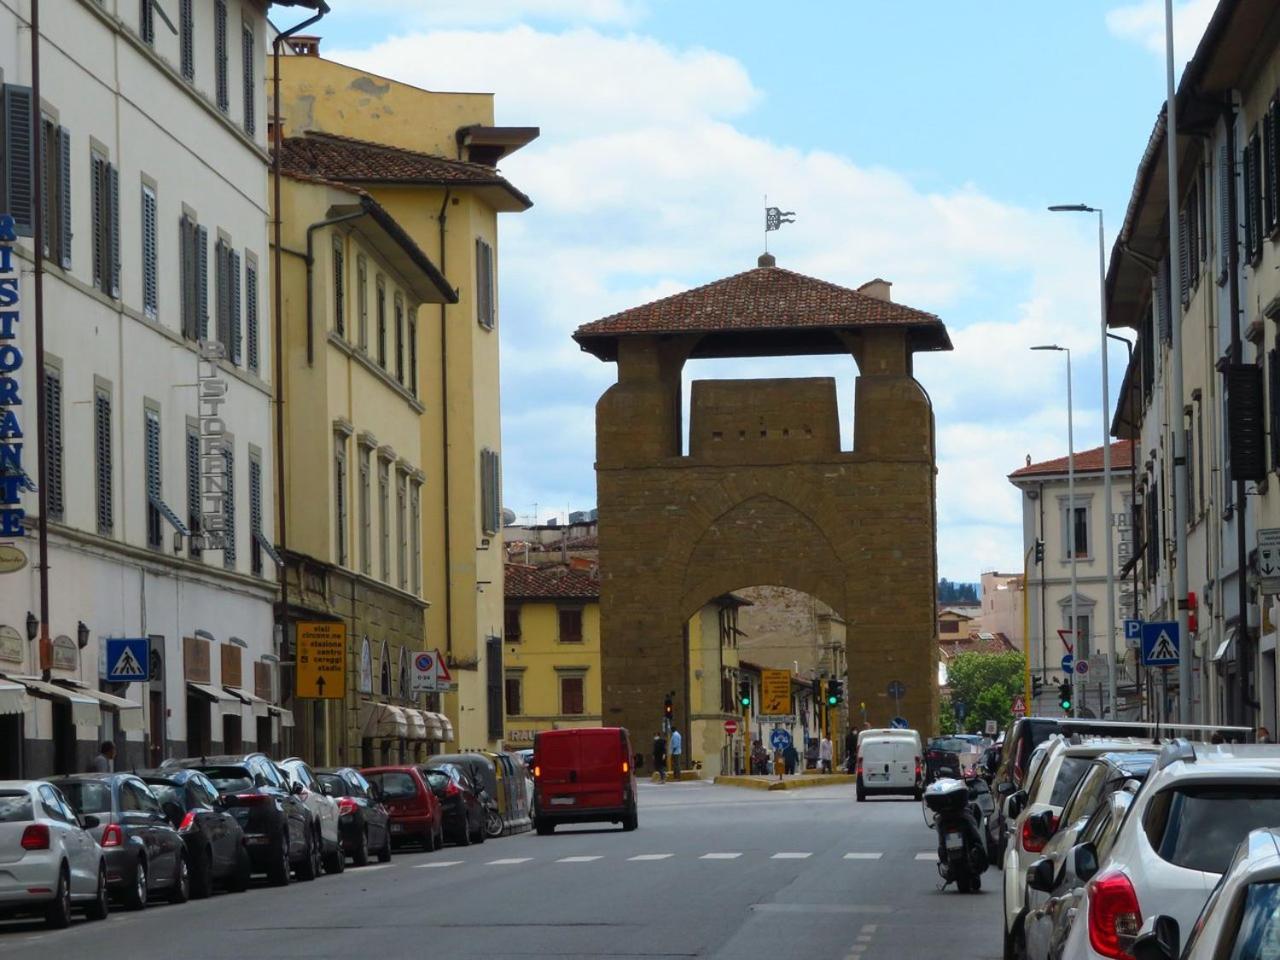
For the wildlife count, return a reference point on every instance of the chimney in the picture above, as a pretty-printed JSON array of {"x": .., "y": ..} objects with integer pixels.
[
  {"x": 767, "y": 260},
  {"x": 302, "y": 46},
  {"x": 876, "y": 288}
]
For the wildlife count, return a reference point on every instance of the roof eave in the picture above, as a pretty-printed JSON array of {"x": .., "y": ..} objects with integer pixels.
[{"x": 400, "y": 250}]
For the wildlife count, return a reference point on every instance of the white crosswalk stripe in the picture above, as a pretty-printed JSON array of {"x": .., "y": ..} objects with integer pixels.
[
  {"x": 652, "y": 856},
  {"x": 720, "y": 856},
  {"x": 506, "y": 861},
  {"x": 791, "y": 856},
  {"x": 577, "y": 859},
  {"x": 863, "y": 856},
  {"x": 926, "y": 856},
  {"x": 438, "y": 863}
]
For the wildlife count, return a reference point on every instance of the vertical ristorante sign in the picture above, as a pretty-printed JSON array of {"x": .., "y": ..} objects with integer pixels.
[
  {"x": 13, "y": 477},
  {"x": 213, "y": 460}
]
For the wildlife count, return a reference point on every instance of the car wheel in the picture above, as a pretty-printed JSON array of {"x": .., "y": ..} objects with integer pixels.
[
  {"x": 135, "y": 896},
  {"x": 100, "y": 907},
  {"x": 384, "y": 855},
  {"x": 464, "y": 836},
  {"x": 335, "y": 860},
  {"x": 180, "y": 892},
  {"x": 278, "y": 874},
  {"x": 309, "y": 868},
  {"x": 631, "y": 820},
  {"x": 239, "y": 881},
  {"x": 58, "y": 914},
  {"x": 360, "y": 856},
  {"x": 202, "y": 876}
]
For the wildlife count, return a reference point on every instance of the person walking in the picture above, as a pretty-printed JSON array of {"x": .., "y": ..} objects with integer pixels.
[
  {"x": 105, "y": 761},
  {"x": 790, "y": 758},
  {"x": 759, "y": 759},
  {"x": 660, "y": 756},
  {"x": 850, "y": 749},
  {"x": 677, "y": 748},
  {"x": 824, "y": 753}
]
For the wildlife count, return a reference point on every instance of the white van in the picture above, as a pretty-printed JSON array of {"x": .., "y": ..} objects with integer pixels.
[{"x": 890, "y": 761}]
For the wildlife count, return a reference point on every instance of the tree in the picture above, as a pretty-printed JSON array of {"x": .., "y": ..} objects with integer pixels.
[
  {"x": 986, "y": 683},
  {"x": 949, "y": 592}
]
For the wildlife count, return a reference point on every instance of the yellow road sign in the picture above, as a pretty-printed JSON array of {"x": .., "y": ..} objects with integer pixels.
[
  {"x": 775, "y": 693},
  {"x": 322, "y": 661}
]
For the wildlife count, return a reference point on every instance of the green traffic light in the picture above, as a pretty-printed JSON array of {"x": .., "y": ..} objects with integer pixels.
[
  {"x": 831, "y": 701},
  {"x": 746, "y": 701}
]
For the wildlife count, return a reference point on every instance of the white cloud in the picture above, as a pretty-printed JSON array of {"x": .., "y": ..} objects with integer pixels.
[
  {"x": 644, "y": 186},
  {"x": 497, "y": 12},
  {"x": 1143, "y": 22}
]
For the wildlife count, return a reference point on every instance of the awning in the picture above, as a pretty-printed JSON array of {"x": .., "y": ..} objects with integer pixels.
[
  {"x": 382, "y": 720},
  {"x": 1224, "y": 649},
  {"x": 85, "y": 711},
  {"x": 286, "y": 716},
  {"x": 128, "y": 714},
  {"x": 435, "y": 729},
  {"x": 448, "y": 726},
  {"x": 225, "y": 702},
  {"x": 417, "y": 727},
  {"x": 13, "y": 697},
  {"x": 260, "y": 706}
]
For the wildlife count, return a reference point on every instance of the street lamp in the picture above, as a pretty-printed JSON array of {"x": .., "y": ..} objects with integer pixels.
[
  {"x": 1106, "y": 449},
  {"x": 1071, "y": 499}
]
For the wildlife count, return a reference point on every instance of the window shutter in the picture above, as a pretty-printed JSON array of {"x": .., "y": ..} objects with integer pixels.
[
  {"x": 251, "y": 313},
  {"x": 186, "y": 31},
  {"x": 1273, "y": 165},
  {"x": 64, "y": 197},
  {"x": 47, "y": 208},
  {"x": 151, "y": 454},
  {"x": 1269, "y": 168},
  {"x": 1253, "y": 196},
  {"x": 150, "y": 278},
  {"x": 1246, "y": 423},
  {"x": 339, "y": 290},
  {"x": 233, "y": 263},
  {"x": 1224, "y": 221},
  {"x": 255, "y": 516},
  {"x": 1184, "y": 257},
  {"x": 193, "y": 490},
  {"x": 202, "y": 283},
  {"x": 1273, "y": 401},
  {"x": 250, "y": 86},
  {"x": 229, "y": 512},
  {"x": 493, "y": 685},
  {"x": 222, "y": 294},
  {"x": 96, "y": 188},
  {"x": 187, "y": 268},
  {"x": 484, "y": 284},
  {"x": 20, "y": 159},
  {"x": 113, "y": 213},
  {"x": 220, "y": 54},
  {"x": 102, "y": 460},
  {"x": 1163, "y": 312},
  {"x": 53, "y": 442}
]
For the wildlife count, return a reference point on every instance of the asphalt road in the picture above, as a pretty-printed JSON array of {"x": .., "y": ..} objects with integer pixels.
[{"x": 718, "y": 872}]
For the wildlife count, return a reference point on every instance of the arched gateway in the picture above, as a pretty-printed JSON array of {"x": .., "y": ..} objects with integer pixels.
[{"x": 765, "y": 494}]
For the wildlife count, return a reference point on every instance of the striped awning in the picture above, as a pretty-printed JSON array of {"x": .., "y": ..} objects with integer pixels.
[
  {"x": 13, "y": 697},
  {"x": 259, "y": 706},
  {"x": 382, "y": 720},
  {"x": 417, "y": 727},
  {"x": 435, "y": 729},
  {"x": 447, "y": 724},
  {"x": 85, "y": 710},
  {"x": 128, "y": 714},
  {"x": 224, "y": 701}
]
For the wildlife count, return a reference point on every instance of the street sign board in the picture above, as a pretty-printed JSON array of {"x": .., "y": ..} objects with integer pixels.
[
  {"x": 128, "y": 660},
  {"x": 430, "y": 673},
  {"x": 961, "y": 708},
  {"x": 991, "y": 728},
  {"x": 775, "y": 718},
  {"x": 1160, "y": 643},
  {"x": 1082, "y": 668},
  {"x": 1018, "y": 707},
  {"x": 1269, "y": 559},
  {"x": 1132, "y": 633},
  {"x": 899, "y": 723},
  {"x": 731, "y": 727},
  {"x": 321, "y": 673},
  {"x": 780, "y": 739},
  {"x": 1067, "y": 662},
  {"x": 775, "y": 692},
  {"x": 897, "y": 689}
]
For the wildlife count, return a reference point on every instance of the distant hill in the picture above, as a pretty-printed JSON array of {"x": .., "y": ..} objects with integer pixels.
[{"x": 949, "y": 592}]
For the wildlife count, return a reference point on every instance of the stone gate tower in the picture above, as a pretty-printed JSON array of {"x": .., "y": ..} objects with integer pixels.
[{"x": 766, "y": 495}]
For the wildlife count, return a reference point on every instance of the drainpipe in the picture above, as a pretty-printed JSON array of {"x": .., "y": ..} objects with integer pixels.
[
  {"x": 311, "y": 263},
  {"x": 1044, "y": 606},
  {"x": 444, "y": 429}
]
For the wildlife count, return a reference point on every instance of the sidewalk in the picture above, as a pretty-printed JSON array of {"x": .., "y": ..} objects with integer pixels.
[{"x": 799, "y": 781}]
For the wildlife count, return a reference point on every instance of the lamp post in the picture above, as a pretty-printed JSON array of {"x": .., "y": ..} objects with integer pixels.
[
  {"x": 1106, "y": 450},
  {"x": 1071, "y": 501}
]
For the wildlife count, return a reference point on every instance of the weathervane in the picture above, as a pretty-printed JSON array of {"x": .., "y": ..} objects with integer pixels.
[{"x": 774, "y": 218}]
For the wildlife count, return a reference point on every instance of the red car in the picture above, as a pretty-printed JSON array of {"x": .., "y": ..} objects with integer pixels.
[{"x": 416, "y": 816}]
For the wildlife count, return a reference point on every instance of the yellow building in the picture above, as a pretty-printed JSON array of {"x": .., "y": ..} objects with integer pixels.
[
  {"x": 429, "y": 159},
  {"x": 713, "y": 686},
  {"x": 353, "y": 284},
  {"x": 552, "y": 655}
]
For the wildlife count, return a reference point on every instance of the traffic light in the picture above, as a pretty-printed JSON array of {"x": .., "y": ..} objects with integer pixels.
[
  {"x": 1039, "y": 551},
  {"x": 744, "y": 693},
  {"x": 668, "y": 708},
  {"x": 1064, "y": 695},
  {"x": 1037, "y": 686},
  {"x": 835, "y": 693}
]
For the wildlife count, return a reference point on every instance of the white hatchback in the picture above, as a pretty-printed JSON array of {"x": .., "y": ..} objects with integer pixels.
[
  {"x": 1178, "y": 839},
  {"x": 48, "y": 860}
]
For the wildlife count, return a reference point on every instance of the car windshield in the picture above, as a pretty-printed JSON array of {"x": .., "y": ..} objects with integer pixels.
[
  {"x": 1199, "y": 827},
  {"x": 229, "y": 779},
  {"x": 337, "y": 786},
  {"x": 396, "y": 785},
  {"x": 950, "y": 745},
  {"x": 15, "y": 806},
  {"x": 87, "y": 796},
  {"x": 1069, "y": 775},
  {"x": 1259, "y": 935}
]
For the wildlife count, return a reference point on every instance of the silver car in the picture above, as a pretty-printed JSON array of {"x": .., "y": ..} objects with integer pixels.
[
  {"x": 48, "y": 861},
  {"x": 323, "y": 809}
]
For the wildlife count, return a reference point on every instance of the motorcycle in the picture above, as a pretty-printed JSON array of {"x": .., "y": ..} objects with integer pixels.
[{"x": 960, "y": 807}]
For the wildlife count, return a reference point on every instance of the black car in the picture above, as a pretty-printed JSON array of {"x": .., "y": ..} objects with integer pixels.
[
  {"x": 459, "y": 802},
  {"x": 363, "y": 822},
  {"x": 278, "y": 828},
  {"x": 215, "y": 841},
  {"x": 143, "y": 852}
]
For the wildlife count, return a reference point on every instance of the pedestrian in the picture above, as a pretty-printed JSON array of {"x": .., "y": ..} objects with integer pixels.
[
  {"x": 105, "y": 761},
  {"x": 1264, "y": 735},
  {"x": 790, "y": 757},
  {"x": 824, "y": 753},
  {"x": 850, "y": 748},
  {"x": 660, "y": 756},
  {"x": 677, "y": 748},
  {"x": 759, "y": 759}
]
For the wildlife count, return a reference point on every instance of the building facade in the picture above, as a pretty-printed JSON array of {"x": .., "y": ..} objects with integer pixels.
[{"x": 157, "y": 381}]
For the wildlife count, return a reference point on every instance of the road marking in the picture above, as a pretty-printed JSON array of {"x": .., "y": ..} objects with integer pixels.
[
  {"x": 819, "y": 908},
  {"x": 870, "y": 927},
  {"x": 577, "y": 859},
  {"x": 438, "y": 863},
  {"x": 791, "y": 856},
  {"x": 926, "y": 856},
  {"x": 720, "y": 856},
  {"x": 652, "y": 856},
  {"x": 864, "y": 938},
  {"x": 863, "y": 856},
  {"x": 376, "y": 866},
  {"x": 856, "y": 949},
  {"x": 506, "y": 861}
]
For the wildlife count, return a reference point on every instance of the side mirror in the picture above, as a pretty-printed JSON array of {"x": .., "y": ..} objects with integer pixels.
[
  {"x": 89, "y": 822},
  {"x": 1041, "y": 827},
  {"x": 1084, "y": 861},
  {"x": 1160, "y": 939},
  {"x": 1005, "y": 788},
  {"x": 1040, "y": 875},
  {"x": 295, "y": 789}
]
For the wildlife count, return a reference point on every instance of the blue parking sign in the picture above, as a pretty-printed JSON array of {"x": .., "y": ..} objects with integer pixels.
[
  {"x": 1160, "y": 643},
  {"x": 1132, "y": 632}
]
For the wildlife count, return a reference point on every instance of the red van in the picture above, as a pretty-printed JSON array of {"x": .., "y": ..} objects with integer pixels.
[{"x": 583, "y": 775}]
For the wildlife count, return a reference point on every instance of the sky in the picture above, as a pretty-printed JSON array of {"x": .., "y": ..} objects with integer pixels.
[{"x": 918, "y": 142}]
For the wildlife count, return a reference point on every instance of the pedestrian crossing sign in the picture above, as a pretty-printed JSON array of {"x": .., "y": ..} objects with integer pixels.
[
  {"x": 127, "y": 659},
  {"x": 1160, "y": 643}
]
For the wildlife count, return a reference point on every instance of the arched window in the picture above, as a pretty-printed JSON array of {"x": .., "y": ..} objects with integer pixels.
[
  {"x": 366, "y": 666},
  {"x": 384, "y": 684},
  {"x": 404, "y": 674}
]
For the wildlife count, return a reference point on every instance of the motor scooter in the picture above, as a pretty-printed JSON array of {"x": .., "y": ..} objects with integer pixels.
[{"x": 960, "y": 807}]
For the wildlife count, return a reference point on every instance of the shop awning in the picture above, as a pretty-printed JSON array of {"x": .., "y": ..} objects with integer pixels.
[
  {"x": 85, "y": 711},
  {"x": 435, "y": 729},
  {"x": 128, "y": 714},
  {"x": 417, "y": 727},
  {"x": 260, "y": 707},
  {"x": 286, "y": 716},
  {"x": 382, "y": 720},
  {"x": 13, "y": 697},
  {"x": 447, "y": 724},
  {"x": 225, "y": 702}
]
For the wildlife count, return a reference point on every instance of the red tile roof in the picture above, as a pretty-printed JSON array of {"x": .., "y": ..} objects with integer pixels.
[
  {"x": 347, "y": 159},
  {"x": 974, "y": 643},
  {"x": 764, "y": 299},
  {"x": 549, "y": 583},
  {"x": 1087, "y": 461}
]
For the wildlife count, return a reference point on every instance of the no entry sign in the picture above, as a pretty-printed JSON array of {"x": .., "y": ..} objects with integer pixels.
[{"x": 731, "y": 727}]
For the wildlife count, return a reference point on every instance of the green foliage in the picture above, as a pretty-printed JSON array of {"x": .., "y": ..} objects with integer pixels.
[
  {"x": 949, "y": 592},
  {"x": 986, "y": 683}
]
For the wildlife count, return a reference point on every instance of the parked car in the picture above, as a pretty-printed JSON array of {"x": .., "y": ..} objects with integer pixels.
[
  {"x": 416, "y": 815},
  {"x": 278, "y": 828},
  {"x": 324, "y": 812},
  {"x": 460, "y": 806},
  {"x": 889, "y": 761},
  {"x": 143, "y": 852},
  {"x": 49, "y": 863},
  {"x": 1048, "y": 876},
  {"x": 363, "y": 822},
  {"x": 480, "y": 772},
  {"x": 1178, "y": 839},
  {"x": 582, "y": 775},
  {"x": 1241, "y": 918},
  {"x": 948, "y": 757},
  {"x": 215, "y": 841}
]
